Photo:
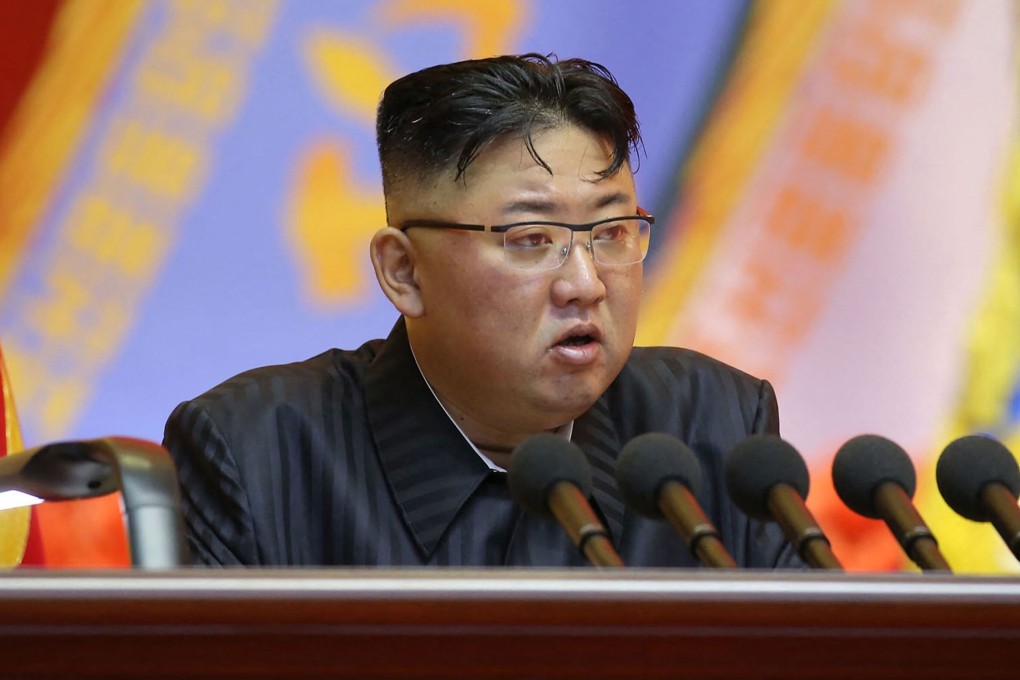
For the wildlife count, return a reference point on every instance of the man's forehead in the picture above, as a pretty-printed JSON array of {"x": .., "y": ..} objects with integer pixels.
[
  {"x": 527, "y": 149},
  {"x": 513, "y": 166}
]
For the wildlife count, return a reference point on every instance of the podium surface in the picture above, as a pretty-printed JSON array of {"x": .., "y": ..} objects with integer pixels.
[{"x": 499, "y": 623}]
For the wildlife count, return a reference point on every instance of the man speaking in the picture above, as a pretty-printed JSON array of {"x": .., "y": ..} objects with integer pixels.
[{"x": 514, "y": 257}]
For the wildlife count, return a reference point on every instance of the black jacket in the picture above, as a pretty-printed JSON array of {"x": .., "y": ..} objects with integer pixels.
[{"x": 348, "y": 459}]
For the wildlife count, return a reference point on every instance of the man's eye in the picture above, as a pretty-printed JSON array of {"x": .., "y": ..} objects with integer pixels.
[
  {"x": 531, "y": 238},
  {"x": 612, "y": 232}
]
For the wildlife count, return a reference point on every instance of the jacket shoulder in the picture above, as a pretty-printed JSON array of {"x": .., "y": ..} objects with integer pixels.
[
  {"x": 292, "y": 380},
  {"x": 302, "y": 387},
  {"x": 681, "y": 365},
  {"x": 667, "y": 388}
]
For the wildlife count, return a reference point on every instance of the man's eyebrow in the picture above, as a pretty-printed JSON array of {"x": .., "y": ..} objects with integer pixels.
[
  {"x": 529, "y": 205},
  {"x": 613, "y": 199}
]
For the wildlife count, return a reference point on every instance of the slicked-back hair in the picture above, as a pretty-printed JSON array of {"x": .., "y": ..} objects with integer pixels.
[{"x": 440, "y": 118}]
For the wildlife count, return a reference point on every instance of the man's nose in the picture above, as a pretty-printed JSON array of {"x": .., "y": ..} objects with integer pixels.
[{"x": 577, "y": 279}]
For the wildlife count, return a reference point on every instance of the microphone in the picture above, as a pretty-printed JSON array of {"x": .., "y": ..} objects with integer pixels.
[
  {"x": 875, "y": 478},
  {"x": 659, "y": 476},
  {"x": 550, "y": 477},
  {"x": 767, "y": 479},
  {"x": 143, "y": 471},
  {"x": 979, "y": 479}
]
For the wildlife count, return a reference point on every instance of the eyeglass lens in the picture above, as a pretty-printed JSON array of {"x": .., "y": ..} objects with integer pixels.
[{"x": 543, "y": 246}]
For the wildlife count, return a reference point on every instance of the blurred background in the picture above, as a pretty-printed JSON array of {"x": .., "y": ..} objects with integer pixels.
[{"x": 188, "y": 188}]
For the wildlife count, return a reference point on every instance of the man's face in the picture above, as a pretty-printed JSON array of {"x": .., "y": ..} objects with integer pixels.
[{"x": 518, "y": 351}]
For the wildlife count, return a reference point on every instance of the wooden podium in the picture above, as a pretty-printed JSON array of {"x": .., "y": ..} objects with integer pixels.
[{"x": 507, "y": 624}]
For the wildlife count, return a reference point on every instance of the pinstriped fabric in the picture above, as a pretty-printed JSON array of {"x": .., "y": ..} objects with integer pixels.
[
  {"x": 347, "y": 459},
  {"x": 711, "y": 407},
  {"x": 429, "y": 467},
  {"x": 595, "y": 433},
  {"x": 212, "y": 495}
]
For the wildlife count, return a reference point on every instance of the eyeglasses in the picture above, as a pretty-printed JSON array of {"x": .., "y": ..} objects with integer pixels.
[{"x": 546, "y": 245}]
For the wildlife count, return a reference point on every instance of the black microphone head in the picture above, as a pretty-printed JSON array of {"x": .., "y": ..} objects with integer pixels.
[
  {"x": 966, "y": 466},
  {"x": 647, "y": 462},
  {"x": 541, "y": 462},
  {"x": 757, "y": 464},
  {"x": 862, "y": 464}
]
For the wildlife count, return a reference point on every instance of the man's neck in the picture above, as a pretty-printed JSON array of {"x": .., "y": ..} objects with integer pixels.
[
  {"x": 499, "y": 455},
  {"x": 493, "y": 445}
]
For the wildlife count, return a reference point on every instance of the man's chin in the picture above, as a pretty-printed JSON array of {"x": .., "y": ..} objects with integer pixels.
[{"x": 567, "y": 404}]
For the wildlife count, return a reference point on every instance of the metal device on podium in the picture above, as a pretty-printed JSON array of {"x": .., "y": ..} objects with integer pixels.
[{"x": 142, "y": 471}]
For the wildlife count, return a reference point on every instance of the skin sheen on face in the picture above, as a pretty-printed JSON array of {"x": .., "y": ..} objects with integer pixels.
[{"x": 512, "y": 352}]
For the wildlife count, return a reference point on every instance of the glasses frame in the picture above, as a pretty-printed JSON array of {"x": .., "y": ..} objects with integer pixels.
[{"x": 503, "y": 228}]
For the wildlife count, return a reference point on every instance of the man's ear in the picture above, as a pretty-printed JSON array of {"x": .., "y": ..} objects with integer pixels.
[{"x": 393, "y": 258}]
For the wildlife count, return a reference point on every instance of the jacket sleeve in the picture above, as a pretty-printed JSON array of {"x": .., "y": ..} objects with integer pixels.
[{"x": 217, "y": 519}]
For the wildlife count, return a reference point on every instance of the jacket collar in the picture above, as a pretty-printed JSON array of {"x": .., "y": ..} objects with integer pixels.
[
  {"x": 429, "y": 466},
  {"x": 432, "y": 471}
]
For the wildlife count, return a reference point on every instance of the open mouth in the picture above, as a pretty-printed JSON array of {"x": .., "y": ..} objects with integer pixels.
[
  {"x": 576, "y": 340},
  {"x": 580, "y": 346}
]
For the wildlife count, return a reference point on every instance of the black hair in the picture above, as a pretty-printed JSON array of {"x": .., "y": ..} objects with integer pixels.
[{"x": 444, "y": 116}]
